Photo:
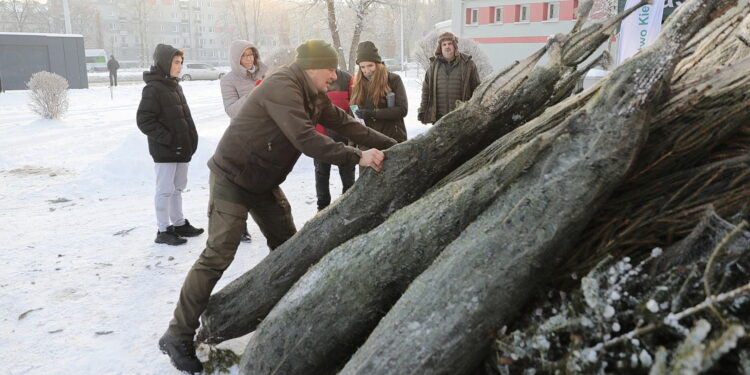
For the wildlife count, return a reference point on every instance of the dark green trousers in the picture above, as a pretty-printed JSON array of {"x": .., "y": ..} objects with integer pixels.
[{"x": 226, "y": 222}]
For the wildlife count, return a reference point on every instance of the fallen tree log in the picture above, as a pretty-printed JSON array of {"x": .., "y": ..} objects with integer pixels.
[
  {"x": 478, "y": 283},
  {"x": 498, "y": 106},
  {"x": 635, "y": 318},
  {"x": 328, "y": 313},
  {"x": 707, "y": 109},
  {"x": 708, "y": 104}
]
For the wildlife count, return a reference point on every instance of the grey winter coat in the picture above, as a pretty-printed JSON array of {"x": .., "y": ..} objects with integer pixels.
[{"x": 237, "y": 84}]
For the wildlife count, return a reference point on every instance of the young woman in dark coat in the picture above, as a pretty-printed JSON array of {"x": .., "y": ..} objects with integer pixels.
[
  {"x": 163, "y": 115},
  {"x": 379, "y": 94}
]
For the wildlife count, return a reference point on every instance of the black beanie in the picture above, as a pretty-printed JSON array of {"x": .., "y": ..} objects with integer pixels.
[
  {"x": 366, "y": 51},
  {"x": 316, "y": 54}
]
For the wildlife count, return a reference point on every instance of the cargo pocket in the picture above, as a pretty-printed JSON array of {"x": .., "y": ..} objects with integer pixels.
[{"x": 226, "y": 222}]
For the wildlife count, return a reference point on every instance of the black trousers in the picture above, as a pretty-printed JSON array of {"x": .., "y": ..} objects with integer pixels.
[
  {"x": 322, "y": 179},
  {"x": 113, "y": 78}
]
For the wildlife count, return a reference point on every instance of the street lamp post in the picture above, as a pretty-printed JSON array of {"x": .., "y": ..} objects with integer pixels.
[{"x": 66, "y": 14}]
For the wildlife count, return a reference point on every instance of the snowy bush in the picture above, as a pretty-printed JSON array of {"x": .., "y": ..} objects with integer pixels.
[
  {"x": 49, "y": 94},
  {"x": 426, "y": 48},
  {"x": 283, "y": 55}
]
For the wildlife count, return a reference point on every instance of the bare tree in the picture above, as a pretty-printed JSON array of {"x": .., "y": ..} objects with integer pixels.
[
  {"x": 85, "y": 19},
  {"x": 141, "y": 14},
  {"x": 239, "y": 11},
  {"x": 247, "y": 14},
  {"x": 333, "y": 26},
  {"x": 256, "y": 11},
  {"x": 361, "y": 10},
  {"x": 21, "y": 12}
]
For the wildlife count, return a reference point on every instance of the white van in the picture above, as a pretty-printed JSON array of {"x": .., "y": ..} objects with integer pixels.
[{"x": 96, "y": 60}]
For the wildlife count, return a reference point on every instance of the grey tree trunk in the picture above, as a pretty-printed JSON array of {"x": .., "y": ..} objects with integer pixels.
[
  {"x": 444, "y": 321},
  {"x": 333, "y": 25},
  {"x": 498, "y": 106},
  {"x": 329, "y": 312}
]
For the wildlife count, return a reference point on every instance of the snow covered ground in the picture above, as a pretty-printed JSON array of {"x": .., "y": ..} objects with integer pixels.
[{"x": 84, "y": 289}]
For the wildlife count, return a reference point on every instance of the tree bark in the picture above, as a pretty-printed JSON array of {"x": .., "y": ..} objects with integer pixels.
[
  {"x": 443, "y": 322},
  {"x": 334, "y": 27},
  {"x": 360, "y": 13},
  {"x": 352, "y": 287},
  {"x": 497, "y": 107}
]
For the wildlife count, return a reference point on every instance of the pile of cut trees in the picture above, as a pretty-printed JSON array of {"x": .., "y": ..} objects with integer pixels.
[{"x": 416, "y": 268}]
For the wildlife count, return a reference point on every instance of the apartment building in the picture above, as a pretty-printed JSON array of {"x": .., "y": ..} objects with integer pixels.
[
  {"x": 509, "y": 30},
  {"x": 130, "y": 29}
]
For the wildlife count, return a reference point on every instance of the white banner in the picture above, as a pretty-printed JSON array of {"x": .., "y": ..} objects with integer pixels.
[{"x": 640, "y": 28}]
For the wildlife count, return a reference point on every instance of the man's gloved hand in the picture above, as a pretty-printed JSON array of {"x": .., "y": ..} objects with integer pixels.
[
  {"x": 367, "y": 114},
  {"x": 420, "y": 117}
]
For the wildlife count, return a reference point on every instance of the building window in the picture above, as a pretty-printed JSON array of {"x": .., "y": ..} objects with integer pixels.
[
  {"x": 553, "y": 11},
  {"x": 474, "y": 16},
  {"x": 523, "y": 13},
  {"x": 498, "y": 15}
]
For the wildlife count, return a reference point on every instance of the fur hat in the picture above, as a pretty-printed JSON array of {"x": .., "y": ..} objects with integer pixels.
[
  {"x": 316, "y": 54},
  {"x": 446, "y": 36},
  {"x": 366, "y": 51}
]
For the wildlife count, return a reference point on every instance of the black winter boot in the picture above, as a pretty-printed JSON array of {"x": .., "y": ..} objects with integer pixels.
[
  {"x": 181, "y": 353},
  {"x": 169, "y": 237},
  {"x": 187, "y": 230}
]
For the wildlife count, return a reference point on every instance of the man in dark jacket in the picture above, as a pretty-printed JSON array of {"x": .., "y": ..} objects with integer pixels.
[
  {"x": 112, "y": 66},
  {"x": 256, "y": 153},
  {"x": 452, "y": 76},
  {"x": 163, "y": 115}
]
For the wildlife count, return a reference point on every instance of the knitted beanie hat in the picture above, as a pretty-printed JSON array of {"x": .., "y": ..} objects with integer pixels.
[
  {"x": 366, "y": 51},
  {"x": 316, "y": 54}
]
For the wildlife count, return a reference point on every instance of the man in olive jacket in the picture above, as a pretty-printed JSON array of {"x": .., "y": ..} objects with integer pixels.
[
  {"x": 258, "y": 150},
  {"x": 452, "y": 76}
]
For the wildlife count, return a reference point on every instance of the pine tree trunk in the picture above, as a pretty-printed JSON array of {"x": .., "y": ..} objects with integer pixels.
[
  {"x": 444, "y": 321},
  {"x": 497, "y": 107},
  {"x": 352, "y": 287}
]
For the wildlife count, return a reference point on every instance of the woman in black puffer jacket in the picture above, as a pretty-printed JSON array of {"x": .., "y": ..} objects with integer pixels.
[{"x": 163, "y": 115}]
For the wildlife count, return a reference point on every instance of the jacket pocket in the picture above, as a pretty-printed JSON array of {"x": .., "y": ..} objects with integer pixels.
[{"x": 259, "y": 176}]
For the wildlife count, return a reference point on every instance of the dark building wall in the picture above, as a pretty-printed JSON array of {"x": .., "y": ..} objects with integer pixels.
[{"x": 22, "y": 55}]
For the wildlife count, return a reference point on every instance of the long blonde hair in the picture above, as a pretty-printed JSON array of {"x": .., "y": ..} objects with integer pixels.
[{"x": 375, "y": 89}]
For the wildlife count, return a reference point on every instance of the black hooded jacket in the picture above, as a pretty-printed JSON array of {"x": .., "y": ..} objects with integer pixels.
[{"x": 163, "y": 114}]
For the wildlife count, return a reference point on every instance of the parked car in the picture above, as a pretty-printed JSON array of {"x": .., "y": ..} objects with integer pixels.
[
  {"x": 393, "y": 65},
  {"x": 191, "y": 71}
]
